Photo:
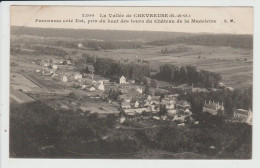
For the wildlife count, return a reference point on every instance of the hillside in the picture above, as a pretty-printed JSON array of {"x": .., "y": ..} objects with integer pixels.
[{"x": 150, "y": 37}]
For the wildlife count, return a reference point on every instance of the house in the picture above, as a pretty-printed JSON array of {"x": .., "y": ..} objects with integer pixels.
[
  {"x": 54, "y": 67},
  {"x": 230, "y": 88},
  {"x": 198, "y": 89},
  {"x": 139, "y": 90},
  {"x": 132, "y": 81},
  {"x": 122, "y": 80},
  {"x": 125, "y": 105},
  {"x": 165, "y": 100},
  {"x": 164, "y": 117},
  {"x": 54, "y": 75},
  {"x": 156, "y": 118},
  {"x": 213, "y": 108},
  {"x": 46, "y": 64},
  {"x": 63, "y": 106},
  {"x": 77, "y": 76},
  {"x": 83, "y": 86},
  {"x": 156, "y": 98},
  {"x": 183, "y": 104},
  {"x": 64, "y": 79},
  {"x": 136, "y": 104},
  {"x": 101, "y": 86},
  {"x": 38, "y": 71},
  {"x": 92, "y": 89},
  {"x": 180, "y": 119},
  {"x": 181, "y": 125},
  {"x": 172, "y": 96},
  {"x": 149, "y": 98},
  {"x": 147, "y": 104},
  {"x": 172, "y": 112},
  {"x": 244, "y": 116},
  {"x": 122, "y": 119},
  {"x": 169, "y": 106},
  {"x": 51, "y": 72},
  {"x": 221, "y": 84},
  {"x": 60, "y": 62},
  {"x": 152, "y": 108},
  {"x": 187, "y": 112},
  {"x": 124, "y": 98},
  {"x": 136, "y": 110},
  {"x": 69, "y": 62}
]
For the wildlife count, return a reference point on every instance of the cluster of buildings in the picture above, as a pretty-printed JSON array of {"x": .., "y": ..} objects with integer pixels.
[
  {"x": 240, "y": 115},
  {"x": 133, "y": 101},
  {"x": 174, "y": 110}
]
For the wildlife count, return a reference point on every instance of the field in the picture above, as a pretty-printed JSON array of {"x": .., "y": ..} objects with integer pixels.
[{"x": 235, "y": 64}]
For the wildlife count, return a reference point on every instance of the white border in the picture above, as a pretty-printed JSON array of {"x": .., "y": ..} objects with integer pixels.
[{"x": 4, "y": 90}]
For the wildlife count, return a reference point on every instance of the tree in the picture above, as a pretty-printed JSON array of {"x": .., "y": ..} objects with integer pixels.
[
  {"x": 145, "y": 81},
  {"x": 51, "y": 61},
  {"x": 147, "y": 89},
  {"x": 111, "y": 120},
  {"x": 113, "y": 94},
  {"x": 163, "y": 110},
  {"x": 154, "y": 83}
]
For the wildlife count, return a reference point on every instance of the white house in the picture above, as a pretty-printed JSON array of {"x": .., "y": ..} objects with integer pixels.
[
  {"x": 54, "y": 75},
  {"x": 37, "y": 70},
  {"x": 92, "y": 89},
  {"x": 83, "y": 86},
  {"x": 149, "y": 98},
  {"x": 77, "y": 76},
  {"x": 139, "y": 90},
  {"x": 136, "y": 104},
  {"x": 126, "y": 105},
  {"x": 54, "y": 67},
  {"x": 244, "y": 116},
  {"x": 187, "y": 112},
  {"x": 51, "y": 72},
  {"x": 101, "y": 87},
  {"x": 64, "y": 79},
  {"x": 170, "y": 107},
  {"x": 213, "y": 108},
  {"x": 122, "y": 80},
  {"x": 172, "y": 112},
  {"x": 45, "y": 64},
  {"x": 230, "y": 89},
  {"x": 122, "y": 119}
]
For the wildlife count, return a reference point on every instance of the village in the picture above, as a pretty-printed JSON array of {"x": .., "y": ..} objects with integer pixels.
[{"x": 64, "y": 85}]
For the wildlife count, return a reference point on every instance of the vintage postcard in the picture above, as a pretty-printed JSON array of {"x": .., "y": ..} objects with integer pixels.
[{"x": 121, "y": 82}]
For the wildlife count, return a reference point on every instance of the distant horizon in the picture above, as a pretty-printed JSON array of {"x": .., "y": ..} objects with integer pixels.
[{"x": 155, "y": 31}]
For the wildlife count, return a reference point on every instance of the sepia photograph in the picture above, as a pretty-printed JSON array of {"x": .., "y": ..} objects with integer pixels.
[{"x": 100, "y": 82}]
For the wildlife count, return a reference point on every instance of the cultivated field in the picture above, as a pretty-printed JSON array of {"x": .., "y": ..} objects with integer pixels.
[{"x": 235, "y": 64}]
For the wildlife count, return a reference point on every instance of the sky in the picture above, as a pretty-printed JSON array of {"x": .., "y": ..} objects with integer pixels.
[{"x": 240, "y": 19}]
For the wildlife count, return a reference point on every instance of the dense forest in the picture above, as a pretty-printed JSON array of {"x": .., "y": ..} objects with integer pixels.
[
  {"x": 46, "y": 50},
  {"x": 237, "y": 99},
  {"x": 169, "y": 73},
  {"x": 189, "y": 75},
  {"x": 109, "y": 68},
  {"x": 236, "y": 41}
]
